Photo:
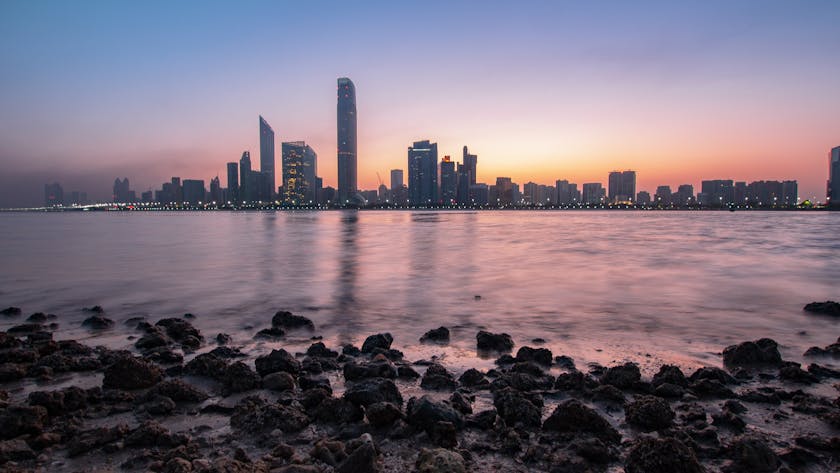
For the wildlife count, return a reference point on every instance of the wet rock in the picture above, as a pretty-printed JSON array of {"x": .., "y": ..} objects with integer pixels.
[
  {"x": 309, "y": 382},
  {"x": 239, "y": 377},
  {"x": 159, "y": 405},
  {"x": 336, "y": 411},
  {"x": 152, "y": 434},
  {"x": 363, "y": 459},
  {"x": 827, "y": 308},
  {"x": 439, "y": 460},
  {"x": 25, "y": 328},
  {"x": 822, "y": 371},
  {"x": 390, "y": 354},
  {"x": 224, "y": 339},
  {"x": 380, "y": 340},
  {"x": 484, "y": 420},
  {"x": 256, "y": 415},
  {"x": 574, "y": 381},
  {"x": 565, "y": 362},
  {"x": 97, "y": 309},
  {"x": 661, "y": 455},
  {"x": 182, "y": 332},
  {"x": 760, "y": 352},
  {"x": 541, "y": 356},
  {"x": 383, "y": 414},
  {"x": 760, "y": 396},
  {"x": 279, "y": 381},
  {"x": 288, "y": 320},
  {"x": 60, "y": 401},
  {"x": 437, "y": 377},
  {"x": 8, "y": 341},
  {"x": 151, "y": 340},
  {"x": 711, "y": 388},
  {"x": 22, "y": 420},
  {"x": 426, "y": 412},
  {"x": 277, "y": 360},
  {"x": 95, "y": 438},
  {"x": 97, "y": 322},
  {"x": 294, "y": 468},
  {"x": 179, "y": 391},
  {"x": 11, "y": 372},
  {"x": 712, "y": 373},
  {"x": 375, "y": 369},
  {"x": 272, "y": 333},
  {"x": 11, "y": 311},
  {"x": 793, "y": 373},
  {"x": 622, "y": 376},
  {"x": 38, "y": 318},
  {"x": 350, "y": 350},
  {"x": 729, "y": 419},
  {"x": 320, "y": 350},
  {"x": 573, "y": 416},
  {"x": 228, "y": 353},
  {"x": 515, "y": 408},
  {"x": 669, "y": 374},
  {"x": 407, "y": 372},
  {"x": 750, "y": 453},
  {"x": 607, "y": 393},
  {"x": 649, "y": 413},
  {"x": 330, "y": 452},
  {"x": 312, "y": 398},
  {"x": 461, "y": 403},
  {"x": 474, "y": 379},
  {"x": 15, "y": 450},
  {"x": 668, "y": 390},
  {"x": 131, "y": 373},
  {"x": 494, "y": 341},
  {"x": 438, "y": 335},
  {"x": 369, "y": 391},
  {"x": 207, "y": 365},
  {"x": 443, "y": 434}
]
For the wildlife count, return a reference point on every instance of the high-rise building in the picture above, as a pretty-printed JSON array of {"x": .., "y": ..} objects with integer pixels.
[
  {"x": 300, "y": 170},
  {"x": 643, "y": 198},
  {"x": 422, "y": 173},
  {"x": 215, "y": 190},
  {"x": 122, "y": 192},
  {"x": 833, "y": 192},
  {"x": 232, "y": 182},
  {"x": 716, "y": 193},
  {"x": 347, "y": 157},
  {"x": 53, "y": 194},
  {"x": 193, "y": 191},
  {"x": 462, "y": 193},
  {"x": 684, "y": 195},
  {"x": 790, "y": 193},
  {"x": 622, "y": 186},
  {"x": 479, "y": 194},
  {"x": 663, "y": 196},
  {"x": 248, "y": 179},
  {"x": 505, "y": 194},
  {"x": 448, "y": 181},
  {"x": 593, "y": 193},
  {"x": 470, "y": 164},
  {"x": 396, "y": 178},
  {"x": 566, "y": 193},
  {"x": 267, "y": 181}
]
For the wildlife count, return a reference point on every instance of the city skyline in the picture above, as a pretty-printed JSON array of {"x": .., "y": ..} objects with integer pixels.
[{"x": 540, "y": 91}]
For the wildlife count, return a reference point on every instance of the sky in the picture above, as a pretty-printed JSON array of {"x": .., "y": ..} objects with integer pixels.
[{"x": 540, "y": 90}]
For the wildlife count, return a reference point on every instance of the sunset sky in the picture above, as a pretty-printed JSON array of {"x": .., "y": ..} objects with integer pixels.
[{"x": 679, "y": 91}]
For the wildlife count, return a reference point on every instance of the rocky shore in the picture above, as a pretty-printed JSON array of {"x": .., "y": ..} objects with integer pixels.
[{"x": 182, "y": 401}]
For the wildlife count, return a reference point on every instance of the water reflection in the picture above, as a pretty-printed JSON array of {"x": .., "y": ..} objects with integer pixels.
[{"x": 346, "y": 300}]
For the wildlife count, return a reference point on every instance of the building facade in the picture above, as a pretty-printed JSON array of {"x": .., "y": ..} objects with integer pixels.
[
  {"x": 267, "y": 180},
  {"x": 422, "y": 173},
  {"x": 300, "y": 170},
  {"x": 448, "y": 181},
  {"x": 833, "y": 192},
  {"x": 347, "y": 149}
]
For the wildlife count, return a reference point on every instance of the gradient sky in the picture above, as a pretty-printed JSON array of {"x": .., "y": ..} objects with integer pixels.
[{"x": 678, "y": 91}]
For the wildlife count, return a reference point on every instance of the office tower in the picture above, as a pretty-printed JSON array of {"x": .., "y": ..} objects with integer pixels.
[
  {"x": 215, "y": 190},
  {"x": 622, "y": 186},
  {"x": 267, "y": 180},
  {"x": 790, "y": 193},
  {"x": 684, "y": 195},
  {"x": 176, "y": 190},
  {"x": 300, "y": 170},
  {"x": 470, "y": 164},
  {"x": 247, "y": 184},
  {"x": 122, "y": 193},
  {"x": 593, "y": 193},
  {"x": 448, "y": 181},
  {"x": 396, "y": 178},
  {"x": 643, "y": 198},
  {"x": 53, "y": 194},
  {"x": 193, "y": 191},
  {"x": 566, "y": 193},
  {"x": 422, "y": 173},
  {"x": 384, "y": 194},
  {"x": 716, "y": 193},
  {"x": 462, "y": 193},
  {"x": 148, "y": 196},
  {"x": 532, "y": 191},
  {"x": 504, "y": 191},
  {"x": 663, "y": 196},
  {"x": 319, "y": 189},
  {"x": 739, "y": 193},
  {"x": 346, "y": 117},
  {"x": 833, "y": 191},
  {"x": 479, "y": 194},
  {"x": 232, "y": 182},
  {"x": 328, "y": 195}
]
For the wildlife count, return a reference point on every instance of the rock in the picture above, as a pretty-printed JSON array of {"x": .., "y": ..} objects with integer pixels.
[
  {"x": 827, "y": 308},
  {"x": 407, "y": 372},
  {"x": 227, "y": 353},
  {"x": 239, "y": 377},
  {"x": 574, "y": 381},
  {"x": 320, "y": 350},
  {"x": 572, "y": 416},
  {"x": 159, "y": 405},
  {"x": 364, "y": 459},
  {"x": 712, "y": 373},
  {"x": 760, "y": 352},
  {"x": 272, "y": 333},
  {"x": 152, "y": 434},
  {"x": 668, "y": 390},
  {"x": 97, "y": 322},
  {"x": 622, "y": 376},
  {"x": 484, "y": 420},
  {"x": 151, "y": 340},
  {"x": 711, "y": 388},
  {"x": 443, "y": 434},
  {"x": 97, "y": 309},
  {"x": 669, "y": 374},
  {"x": 60, "y": 401},
  {"x": 15, "y": 450},
  {"x": 297, "y": 469},
  {"x": 22, "y": 420},
  {"x": 474, "y": 379},
  {"x": 375, "y": 369},
  {"x": 11, "y": 372},
  {"x": 279, "y": 381},
  {"x": 565, "y": 362},
  {"x": 500, "y": 342},
  {"x": 750, "y": 453},
  {"x": 369, "y": 391},
  {"x": 288, "y": 320},
  {"x": 254, "y": 414},
  {"x": 25, "y": 329},
  {"x": 649, "y": 413},
  {"x": 131, "y": 373},
  {"x": 438, "y": 335},
  {"x": 541, "y": 356},
  {"x": 461, "y": 403},
  {"x": 793, "y": 373},
  {"x": 309, "y": 382},
  {"x": 210, "y": 366},
  {"x": 383, "y": 414},
  {"x": 336, "y": 411},
  {"x": 277, "y": 360},
  {"x": 729, "y": 419},
  {"x": 95, "y": 438},
  {"x": 515, "y": 408},
  {"x": 439, "y": 460},
  {"x": 350, "y": 350},
  {"x": 10, "y": 311},
  {"x": 224, "y": 339},
  {"x": 661, "y": 455},
  {"x": 330, "y": 452},
  {"x": 37, "y": 317},
  {"x": 607, "y": 393},
  {"x": 380, "y": 340},
  {"x": 822, "y": 371},
  {"x": 437, "y": 377},
  {"x": 426, "y": 412},
  {"x": 182, "y": 332}
]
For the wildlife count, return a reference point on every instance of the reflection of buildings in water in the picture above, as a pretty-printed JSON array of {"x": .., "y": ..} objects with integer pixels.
[
  {"x": 267, "y": 246},
  {"x": 346, "y": 303},
  {"x": 299, "y": 256},
  {"x": 422, "y": 275}
]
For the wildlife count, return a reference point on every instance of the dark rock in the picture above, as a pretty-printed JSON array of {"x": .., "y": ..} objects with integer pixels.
[
  {"x": 541, "y": 356},
  {"x": 494, "y": 341},
  {"x": 369, "y": 391},
  {"x": 151, "y": 340},
  {"x": 668, "y": 390},
  {"x": 37, "y": 317},
  {"x": 437, "y": 377},
  {"x": 337, "y": 411},
  {"x": 461, "y": 403},
  {"x": 750, "y": 453},
  {"x": 227, "y": 352},
  {"x": 25, "y": 328},
  {"x": 439, "y": 460},
  {"x": 97, "y": 322},
  {"x": 622, "y": 376},
  {"x": 288, "y": 320},
  {"x": 474, "y": 379},
  {"x": 572, "y": 416},
  {"x": 279, "y": 381},
  {"x": 309, "y": 382},
  {"x": 182, "y": 332},
  {"x": 277, "y": 360},
  {"x": 272, "y": 333},
  {"x": 95, "y": 438},
  {"x": 11, "y": 372},
  {"x": 7, "y": 341},
  {"x": 330, "y": 452},
  {"x": 239, "y": 377},
  {"x": 734, "y": 406},
  {"x": 11, "y": 311},
  {"x": 320, "y": 350},
  {"x": 97, "y": 309},
  {"x": 565, "y": 362},
  {"x": 506, "y": 359},
  {"x": 438, "y": 335},
  {"x": 827, "y": 308},
  {"x": 443, "y": 434},
  {"x": 761, "y": 397},
  {"x": 152, "y": 434},
  {"x": 711, "y": 388},
  {"x": 515, "y": 408},
  {"x": 21, "y": 420},
  {"x": 224, "y": 339},
  {"x": 661, "y": 455},
  {"x": 607, "y": 393},
  {"x": 712, "y": 373},
  {"x": 60, "y": 401},
  {"x": 312, "y": 398},
  {"x": 179, "y": 391},
  {"x": 254, "y": 414},
  {"x": 425, "y": 413},
  {"x": 390, "y": 354},
  {"x": 131, "y": 373},
  {"x": 760, "y": 352},
  {"x": 364, "y": 459},
  {"x": 649, "y": 413},
  {"x": 380, "y": 340},
  {"x": 729, "y": 419},
  {"x": 210, "y": 366},
  {"x": 574, "y": 381},
  {"x": 350, "y": 350},
  {"x": 669, "y": 374},
  {"x": 484, "y": 420},
  {"x": 822, "y": 371},
  {"x": 793, "y": 373},
  {"x": 375, "y": 369},
  {"x": 159, "y": 405},
  {"x": 383, "y": 414},
  {"x": 15, "y": 450},
  {"x": 407, "y": 372}
]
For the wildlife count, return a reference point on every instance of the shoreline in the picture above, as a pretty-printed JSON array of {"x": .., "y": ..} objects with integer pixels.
[{"x": 180, "y": 400}]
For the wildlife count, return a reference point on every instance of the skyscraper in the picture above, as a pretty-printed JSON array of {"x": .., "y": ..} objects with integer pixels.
[
  {"x": 593, "y": 193},
  {"x": 396, "y": 178},
  {"x": 193, "y": 191},
  {"x": 121, "y": 190},
  {"x": 247, "y": 192},
  {"x": 622, "y": 186},
  {"x": 215, "y": 190},
  {"x": 833, "y": 193},
  {"x": 504, "y": 191},
  {"x": 346, "y": 115},
  {"x": 448, "y": 181},
  {"x": 300, "y": 169},
  {"x": 53, "y": 194},
  {"x": 267, "y": 183},
  {"x": 232, "y": 182},
  {"x": 470, "y": 163},
  {"x": 422, "y": 173}
]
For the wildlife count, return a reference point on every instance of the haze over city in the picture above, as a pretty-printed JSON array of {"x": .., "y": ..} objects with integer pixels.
[{"x": 541, "y": 91}]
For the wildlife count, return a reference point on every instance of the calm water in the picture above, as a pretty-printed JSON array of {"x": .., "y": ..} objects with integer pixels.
[{"x": 599, "y": 286}]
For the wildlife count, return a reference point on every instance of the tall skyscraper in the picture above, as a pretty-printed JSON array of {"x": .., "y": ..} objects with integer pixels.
[
  {"x": 122, "y": 191},
  {"x": 215, "y": 190},
  {"x": 267, "y": 182},
  {"x": 232, "y": 182},
  {"x": 833, "y": 193},
  {"x": 346, "y": 115},
  {"x": 593, "y": 193},
  {"x": 716, "y": 192},
  {"x": 470, "y": 164},
  {"x": 193, "y": 191},
  {"x": 53, "y": 194},
  {"x": 622, "y": 186},
  {"x": 247, "y": 190},
  {"x": 505, "y": 194},
  {"x": 422, "y": 173},
  {"x": 396, "y": 178},
  {"x": 566, "y": 193},
  {"x": 300, "y": 170},
  {"x": 448, "y": 181}
]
